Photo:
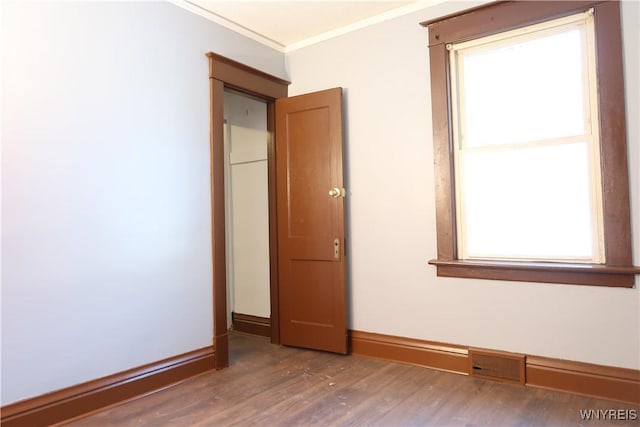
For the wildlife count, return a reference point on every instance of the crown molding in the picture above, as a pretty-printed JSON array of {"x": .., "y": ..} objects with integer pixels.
[
  {"x": 213, "y": 17},
  {"x": 382, "y": 17},
  {"x": 260, "y": 38}
]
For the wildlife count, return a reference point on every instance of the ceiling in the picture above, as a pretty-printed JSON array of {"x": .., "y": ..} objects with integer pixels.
[{"x": 288, "y": 25}]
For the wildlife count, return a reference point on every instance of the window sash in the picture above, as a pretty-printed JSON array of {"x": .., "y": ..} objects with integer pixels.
[{"x": 590, "y": 135}]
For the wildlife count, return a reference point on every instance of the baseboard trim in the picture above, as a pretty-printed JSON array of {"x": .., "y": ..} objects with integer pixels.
[
  {"x": 249, "y": 324},
  {"x": 81, "y": 399},
  {"x": 443, "y": 357},
  {"x": 602, "y": 382},
  {"x": 586, "y": 379}
]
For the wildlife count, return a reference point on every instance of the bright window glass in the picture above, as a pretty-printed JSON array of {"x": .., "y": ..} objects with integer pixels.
[
  {"x": 523, "y": 78},
  {"x": 502, "y": 198},
  {"x": 526, "y": 145}
]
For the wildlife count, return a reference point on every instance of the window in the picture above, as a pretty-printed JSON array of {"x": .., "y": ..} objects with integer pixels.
[
  {"x": 526, "y": 146},
  {"x": 529, "y": 138}
]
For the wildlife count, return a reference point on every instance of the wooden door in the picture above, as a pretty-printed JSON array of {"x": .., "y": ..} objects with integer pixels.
[{"x": 311, "y": 264}]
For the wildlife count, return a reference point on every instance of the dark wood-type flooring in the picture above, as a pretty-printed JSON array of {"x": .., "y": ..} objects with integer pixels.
[{"x": 270, "y": 385}]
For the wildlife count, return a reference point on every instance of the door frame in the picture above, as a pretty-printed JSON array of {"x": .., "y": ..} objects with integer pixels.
[{"x": 227, "y": 73}]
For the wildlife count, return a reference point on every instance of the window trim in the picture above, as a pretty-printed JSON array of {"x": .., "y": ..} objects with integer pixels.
[
  {"x": 588, "y": 137},
  {"x": 618, "y": 269}
]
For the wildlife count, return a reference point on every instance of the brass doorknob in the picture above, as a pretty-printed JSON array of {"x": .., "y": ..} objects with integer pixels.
[{"x": 336, "y": 192}]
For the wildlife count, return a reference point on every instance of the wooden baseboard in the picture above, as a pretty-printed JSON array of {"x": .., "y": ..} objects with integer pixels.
[
  {"x": 444, "y": 357},
  {"x": 81, "y": 399},
  {"x": 603, "y": 382},
  {"x": 584, "y": 378},
  {"x": 251, "y": 324}
]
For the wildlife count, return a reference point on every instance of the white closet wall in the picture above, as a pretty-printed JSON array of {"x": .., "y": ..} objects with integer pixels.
[{"x": 247, "y": 206}]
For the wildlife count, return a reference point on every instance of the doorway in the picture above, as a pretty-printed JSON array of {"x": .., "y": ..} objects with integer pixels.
[
  {"x": 247, "y": 213},
  {"x": 306, "y": 234},
  {"x": 228, "y": 74}
]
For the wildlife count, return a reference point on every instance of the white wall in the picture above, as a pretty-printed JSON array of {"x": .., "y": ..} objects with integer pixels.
[
  {"x": 106, "y": 247},
  {"x": 385, "y": 72},
  {"x": 250, "y": 213}
]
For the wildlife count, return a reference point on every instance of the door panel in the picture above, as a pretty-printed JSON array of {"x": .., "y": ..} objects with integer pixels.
[{"x": 310, "y": 221}]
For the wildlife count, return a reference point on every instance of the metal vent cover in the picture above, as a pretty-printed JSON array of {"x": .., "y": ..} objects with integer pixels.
[{"x": 495, "y": 365}]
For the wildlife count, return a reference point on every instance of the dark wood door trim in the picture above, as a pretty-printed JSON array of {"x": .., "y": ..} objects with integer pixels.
[
  {"x": 246, "y": 79},
  {"x": 226, "y": 73},
  {"x": 274, "y": 288},
  {"x": 220, "y": 334}
]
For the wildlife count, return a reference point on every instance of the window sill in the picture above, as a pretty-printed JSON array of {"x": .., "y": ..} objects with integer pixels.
[{"x": 542, "y": 272}]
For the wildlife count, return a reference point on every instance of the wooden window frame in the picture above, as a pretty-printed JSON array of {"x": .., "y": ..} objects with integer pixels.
[{"x": 618, "y": 269}]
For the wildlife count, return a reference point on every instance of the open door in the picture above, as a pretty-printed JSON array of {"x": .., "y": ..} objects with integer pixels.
[
  {"x": 306, "y": 223},
  {"x": 311, "y": 228}
]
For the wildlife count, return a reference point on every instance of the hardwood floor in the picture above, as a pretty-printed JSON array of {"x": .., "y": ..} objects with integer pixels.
[{"x": 269, "y": 385}]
